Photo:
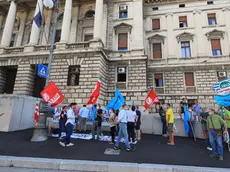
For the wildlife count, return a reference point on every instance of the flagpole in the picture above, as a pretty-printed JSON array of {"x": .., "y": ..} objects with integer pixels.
[{"x": 40, "y": 131}]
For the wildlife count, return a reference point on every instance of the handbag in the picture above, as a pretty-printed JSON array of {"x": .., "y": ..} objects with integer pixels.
[{"x": 218, "y": 132}]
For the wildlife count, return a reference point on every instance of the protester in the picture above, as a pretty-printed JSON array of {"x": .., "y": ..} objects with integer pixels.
[
  {"x": 122, "y": 119},
  {"x": 131, "y": 118},
  {"x": 170, "y": 123},
  {"x": 163, "y": 120},
  {"x": 197, "y": 109},
  {"x": 182, "y": 104},
  {"x": 227, "y": 119},
  {"x": 112, "y": 124},
  {"x": 203, "y": 116},
  {"x": 98, "y": 122},
  {"x": 138, "y": 124},
  {"x": 191, "y": 122},
  {"x": 62, "y": 120},
  {"x": 69, "y": 126},
  {"x": 83, "y": 114},
  {"x": 214, "y": 124}
]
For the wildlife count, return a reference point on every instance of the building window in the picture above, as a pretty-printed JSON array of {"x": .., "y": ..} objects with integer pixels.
[
  {"x": 123, "y": 11},
  {"x": 121, "y": 74},
  {"x": 181, "y": 5},
  {"x": 159, "y": 82},
  {"x": 73, "y": 75},
  {"x": 212, "y": 19},
  {"x": 58, "y": 36},
  {"x": 88, "y": 37},
  {"x": 221, "y": 76},
  {"x": 185, "y": 49},
  {"x": 12, "y": 40},
  {"x": 183, "y": 21},
  {"x": 210, "y": 3},
  {"x": 189, "y": 79},
  {"x": 216, "y": 47},
  {"x": 155, "y": 24},
  {"x": 90, "y": 14},
  {"x": 123, "y": 41},
  {"x": 155, "y": 8},
  {"x": 157, "y": 52}
]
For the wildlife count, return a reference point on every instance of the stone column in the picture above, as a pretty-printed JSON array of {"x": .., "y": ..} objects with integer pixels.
[
  {"x": 9, "y": 25},
  {"x": 66, "y": 22},
  {"x": 226, "y": 17},
  {"x": 21, "y": 29},
  {"x": 45, "y": 36},
  {"x": 73, "y": 31},
  {"x": 1, "y": 22},
  {"x": 170, "y": 35},
  {"x": 98, "y": 20},
  {"x": 199, "y": 34},
  {"x": 35, "y": 32}
]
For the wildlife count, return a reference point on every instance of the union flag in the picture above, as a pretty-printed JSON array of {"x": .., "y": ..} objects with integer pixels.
[
  {"x": 94, "y": 96},
  {"x": 151, "y": 99}
]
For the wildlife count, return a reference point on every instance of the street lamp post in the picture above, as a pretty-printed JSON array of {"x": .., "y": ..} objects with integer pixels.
[{"x": 40, "y": 131}]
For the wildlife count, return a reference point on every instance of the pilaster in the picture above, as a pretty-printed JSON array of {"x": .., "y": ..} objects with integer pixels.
[
  {"x": 21, "y": 28},
  {"x": 74, "y": 24}
]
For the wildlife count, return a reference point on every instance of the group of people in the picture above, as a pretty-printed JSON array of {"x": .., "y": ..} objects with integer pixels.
[
  {"x": 215, "y": 124},
  {"x": 124, "y": 123}
]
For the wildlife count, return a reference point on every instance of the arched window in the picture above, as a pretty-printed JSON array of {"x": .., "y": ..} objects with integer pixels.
[{"x": 89, "y": 14}]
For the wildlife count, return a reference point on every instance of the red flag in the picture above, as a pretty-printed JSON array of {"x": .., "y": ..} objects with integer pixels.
[
  {"x": 51, "y": 94},
  {"x": 151, "y": 99},
  {"x": 36, "y": 113},
  {"x": 94, "y": 96}
]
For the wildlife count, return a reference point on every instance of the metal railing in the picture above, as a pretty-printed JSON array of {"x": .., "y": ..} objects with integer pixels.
[{"x": 77, "y": 45}]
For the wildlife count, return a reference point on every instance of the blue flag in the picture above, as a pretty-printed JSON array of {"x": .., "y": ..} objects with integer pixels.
[
  {"x": 93, "y": 113},
  {"x": 186, "y": 119},
  {"x": 38, "y": 18},
  {"x": 117, "y": 101},
  {"x": 133, "y": 103},
  {"x": 223, "y": 100}
]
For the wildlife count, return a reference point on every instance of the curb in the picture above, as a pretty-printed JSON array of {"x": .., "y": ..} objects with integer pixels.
[{"x": 97, "y": 166}]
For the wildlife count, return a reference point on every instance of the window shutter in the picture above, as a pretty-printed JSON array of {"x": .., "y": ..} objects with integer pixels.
[
  {"x": 212, "y": 15},
  {"x": 158, "y": 76},
  {"x": 189, "y": 79},
  {"x": 183, "y": 18},
  {"x": 215, "y": 44},
  {"x": 157, "y": 50},
  {"x": 156, "y": 24},
  {"x": 123, "y": 40}
]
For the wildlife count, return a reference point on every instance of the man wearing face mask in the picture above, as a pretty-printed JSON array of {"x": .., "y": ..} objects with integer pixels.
[
  {"x": 65, "y": 142},
  {"x": 122, "y": 119},
  {"x": 98, "y": 122}
]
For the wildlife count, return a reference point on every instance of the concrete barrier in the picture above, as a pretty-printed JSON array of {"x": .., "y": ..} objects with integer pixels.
[
  {"x": 98, "y": 166},
  {"x": 17, "y": 112}
]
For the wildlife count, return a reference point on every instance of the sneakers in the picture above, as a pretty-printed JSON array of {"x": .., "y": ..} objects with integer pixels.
[
  {"x": 130, "y": 149},
  {"x": 62, "y": 144},
  {"x": 111, "y": 143},
  {"x": 116, "y": 148},
  {"x": 221, "y": 158},
  {"x": 212, "y": 156},
  {"x": 134, "y": 142},
  {"x": 171, "y": 144},
  {"x": 209, "y": 148},
  {"x": 70, "y": 144},
  {"x": 164, "y": 135}
]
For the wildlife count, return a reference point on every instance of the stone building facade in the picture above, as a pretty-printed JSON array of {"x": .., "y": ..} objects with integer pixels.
[{"x": 180, "y": 48}]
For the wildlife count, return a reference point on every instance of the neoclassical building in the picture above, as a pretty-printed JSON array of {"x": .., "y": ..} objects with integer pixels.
[{"x": 180, "y": 48}]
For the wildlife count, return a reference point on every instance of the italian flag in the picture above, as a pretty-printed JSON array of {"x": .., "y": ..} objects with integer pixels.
[
  {"x": 36, "y": 113},
  {"x": 94, "y": 96}
]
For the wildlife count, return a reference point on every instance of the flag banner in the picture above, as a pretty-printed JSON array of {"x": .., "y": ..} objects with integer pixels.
[
  {"x": 222, "y": 87},
  {"x": 151, "y": 99},
  {"x": 51, "y": 94},
  {"x": 93, "y": 113},
  {"x": 117, "y": 101},
  {"x": 38, "y": 18},
  {"x": 222, "y": 100},
  {"x": 94, "y": 96},
  {"x": 48, "y": 3},
  {"x": 186, "y": 119}
]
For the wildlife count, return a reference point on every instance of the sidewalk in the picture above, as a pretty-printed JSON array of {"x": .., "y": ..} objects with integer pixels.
[{"x": 151, "y": 150}]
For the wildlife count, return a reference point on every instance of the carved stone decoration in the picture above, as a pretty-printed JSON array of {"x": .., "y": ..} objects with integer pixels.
[
  {"x": 123, "y": 26},
  {"x": 156, "y": 39},
  {"x": 185, "y": 36},
  {"x": 215, "y": 34},
  {"x": 17, "y": 24},
  {"x": 75, "y": 61},
  {"x": 10, "y": 62},
  {"x": 38, "y": 60}
]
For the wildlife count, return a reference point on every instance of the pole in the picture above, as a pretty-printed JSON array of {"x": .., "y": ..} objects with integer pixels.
[{"x": 40, "y": 131}]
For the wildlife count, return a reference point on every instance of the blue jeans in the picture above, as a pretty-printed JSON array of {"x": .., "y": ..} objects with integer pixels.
[
  {"x": 61, "y": 127},
  {"x": 164, "y": 127},
  {"x": 69, "y": 132},
  {"x": 123, "y": 132},
  {"x": 216, "y": 143}
]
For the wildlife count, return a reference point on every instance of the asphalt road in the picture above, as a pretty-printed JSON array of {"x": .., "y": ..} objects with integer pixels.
[
  {"x": 11, "y": 169},
  {"x": 152, "y": 149}
]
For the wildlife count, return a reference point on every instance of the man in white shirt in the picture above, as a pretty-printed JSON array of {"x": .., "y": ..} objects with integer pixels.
[
  {"x": 65, "y": 142},
  {"x": 84, "y": 114},
  {"x": 122, "y": 119}
]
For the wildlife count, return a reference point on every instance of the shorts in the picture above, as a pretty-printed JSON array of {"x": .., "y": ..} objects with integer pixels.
[
  {"x": 204, "y": 127},
  {"x": 170, "y": 128},
  {"x": 138, "y": 126}
]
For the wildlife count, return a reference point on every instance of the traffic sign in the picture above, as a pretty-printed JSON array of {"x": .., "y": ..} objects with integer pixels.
[{"x": 42, "y": 71}]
